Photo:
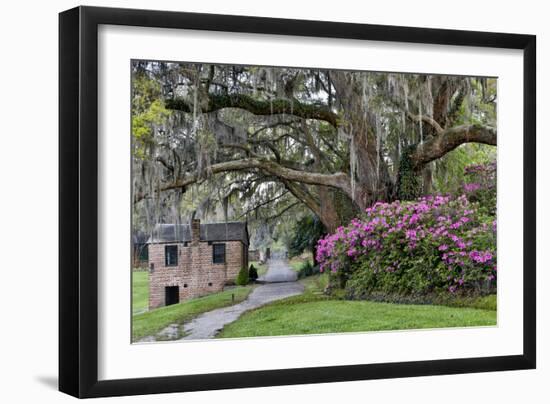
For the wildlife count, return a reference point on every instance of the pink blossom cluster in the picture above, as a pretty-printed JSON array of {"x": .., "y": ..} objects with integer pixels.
[
  {"x": 391, "y": 237},
  {"x": 480, "y": 177}
]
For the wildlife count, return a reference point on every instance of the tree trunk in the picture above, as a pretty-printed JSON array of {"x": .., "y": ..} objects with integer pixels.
[
  {"x": 328, "y": 212},
  {"x": 427, "y": 180},
  {"x": 370, "y": 174}
]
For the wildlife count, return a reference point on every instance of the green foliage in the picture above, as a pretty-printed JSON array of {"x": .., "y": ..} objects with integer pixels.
[
  {"x": 307, "y": 269},
  {"x": 148, "y": 110},
  {"x": 487, "y": 302},
  {"x": 145, "y": 90},
  {"x": 242, "y": 277},
  {"x": 480, "y": 186},
  {"x": 252, "y": 273},
  {"x": 307, "y": 231},
  {"x": 448, "y": 171}
]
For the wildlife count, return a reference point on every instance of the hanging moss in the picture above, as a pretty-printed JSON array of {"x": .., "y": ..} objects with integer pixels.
[{"x": 409, "y": 185}]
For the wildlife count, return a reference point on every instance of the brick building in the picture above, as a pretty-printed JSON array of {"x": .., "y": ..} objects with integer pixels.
[{"x": 190, "y": 261}]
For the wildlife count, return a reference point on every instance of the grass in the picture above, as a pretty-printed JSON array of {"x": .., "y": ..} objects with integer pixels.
[
  {"x": 140, "y": 291},
  {"x": 297, "y": 262},
  {"x": 261, "y": 268},
  {"x": 151, "y": 322},
  {"x": 314, "y": 313},
  {"x": 488, "y": 302}
]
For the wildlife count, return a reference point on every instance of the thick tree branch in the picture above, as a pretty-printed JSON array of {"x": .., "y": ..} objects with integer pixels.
[
  {"x": 256, "y": 107},
  {"x": 449, "y": 140},
  {"x": 337, "y": 180}
]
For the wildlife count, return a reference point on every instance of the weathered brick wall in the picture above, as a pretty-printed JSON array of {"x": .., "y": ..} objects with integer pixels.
[
  {"x": 195, "y": 273},
  {"x": 234, "y": 259}
]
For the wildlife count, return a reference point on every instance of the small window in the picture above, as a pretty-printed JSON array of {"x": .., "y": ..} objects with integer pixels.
[
  {"x": 171, "y": 255},
  {"x": 218, "y": 253}
]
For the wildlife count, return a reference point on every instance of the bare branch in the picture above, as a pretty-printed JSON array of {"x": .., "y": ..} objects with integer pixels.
[
  {"x": 282, "y": 212},
  {"x": 264, "y": 203}
]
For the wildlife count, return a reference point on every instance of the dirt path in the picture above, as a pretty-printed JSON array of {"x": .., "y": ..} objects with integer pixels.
[{"x": 280, "y": 282}]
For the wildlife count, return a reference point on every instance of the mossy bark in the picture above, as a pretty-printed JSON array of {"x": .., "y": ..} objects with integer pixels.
[{"x": 409, "y": 184}]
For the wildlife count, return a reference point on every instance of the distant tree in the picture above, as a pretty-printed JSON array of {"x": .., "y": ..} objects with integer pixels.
[
  {"x": 307, "y": 231},
  {"x": 252, "y": 273}
]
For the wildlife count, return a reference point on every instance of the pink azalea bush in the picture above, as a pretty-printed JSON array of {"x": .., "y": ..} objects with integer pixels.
[
  {"x": 480, "y": 186},
  {"x": 436, "y": 243}
]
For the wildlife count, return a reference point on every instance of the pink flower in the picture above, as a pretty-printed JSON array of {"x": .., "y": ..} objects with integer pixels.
[{"x": 469, "y": 188}]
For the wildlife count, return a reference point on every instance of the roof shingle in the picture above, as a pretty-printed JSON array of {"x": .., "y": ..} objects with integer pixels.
[{"x": 171, "y": 233}]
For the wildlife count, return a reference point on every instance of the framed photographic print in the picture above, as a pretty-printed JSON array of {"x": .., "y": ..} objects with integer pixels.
[{"x": 251, "y": 201}]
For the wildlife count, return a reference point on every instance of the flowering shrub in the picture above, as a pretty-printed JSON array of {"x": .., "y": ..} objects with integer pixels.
[
  {"x": 435, "y": 243},
  {"x": 480, "y": 186}
]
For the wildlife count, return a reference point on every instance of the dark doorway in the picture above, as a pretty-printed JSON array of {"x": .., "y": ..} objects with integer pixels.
[{"x": 171, "y": 295}]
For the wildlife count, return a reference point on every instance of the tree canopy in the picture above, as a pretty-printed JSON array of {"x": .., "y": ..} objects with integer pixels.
[{"x": 273, "y": 144}]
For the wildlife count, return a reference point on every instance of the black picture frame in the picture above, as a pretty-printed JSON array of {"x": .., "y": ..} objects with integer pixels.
[{"x": 78, "y": 201}]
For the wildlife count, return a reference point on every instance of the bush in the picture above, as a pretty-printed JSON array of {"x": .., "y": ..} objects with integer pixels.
[
  {"x": 306, "y": 269},
  {"x": 252, "y": 273},
  {"x": 480, "y": 186},
  {"x": 242, "y": 277},
  {"x": 434, "y": 244}
]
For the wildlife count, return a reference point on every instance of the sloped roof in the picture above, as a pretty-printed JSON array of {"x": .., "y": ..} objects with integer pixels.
[{"x": 171, "y": 233}]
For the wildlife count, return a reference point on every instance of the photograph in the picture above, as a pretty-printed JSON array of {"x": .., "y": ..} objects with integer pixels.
[{"x": 281, "y": 201}]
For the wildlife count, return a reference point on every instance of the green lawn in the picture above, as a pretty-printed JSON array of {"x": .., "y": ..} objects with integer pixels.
[
  {"x": 297, "y": 262},
  {"x": 314, "y": 313},
  {"x": 151, "y": 322},
  {"x": 140, "y": 291}
]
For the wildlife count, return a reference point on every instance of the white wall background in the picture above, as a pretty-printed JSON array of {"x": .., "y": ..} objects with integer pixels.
[{"x": 28, "y": 202}]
